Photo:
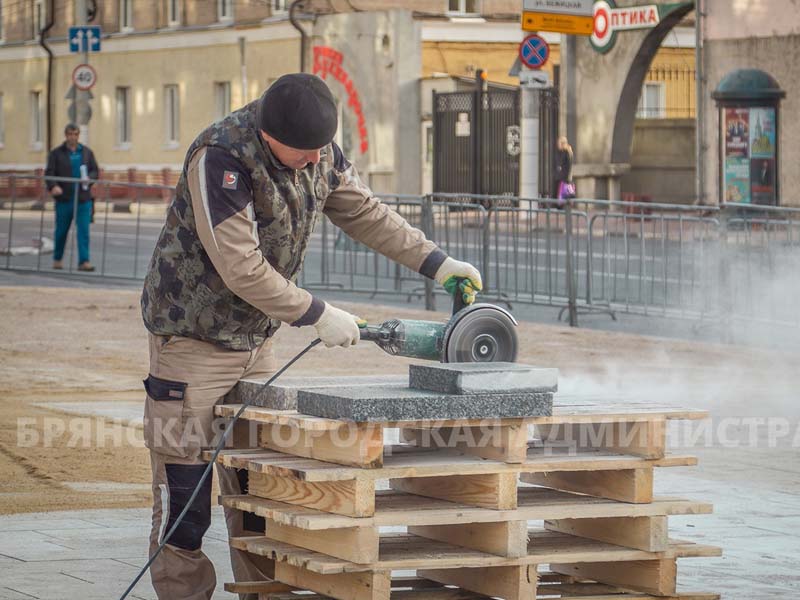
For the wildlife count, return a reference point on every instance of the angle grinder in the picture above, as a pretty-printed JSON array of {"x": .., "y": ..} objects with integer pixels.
[{"x": 474, "y": 333}]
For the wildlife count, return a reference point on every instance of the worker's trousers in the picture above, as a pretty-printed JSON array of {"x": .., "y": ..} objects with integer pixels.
[{"x": 187, "y": 379}]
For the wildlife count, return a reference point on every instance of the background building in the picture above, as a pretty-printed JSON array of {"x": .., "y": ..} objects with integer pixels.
[
  {"x": 763, "y": 35},
  {"x": 168, "y": 68}
]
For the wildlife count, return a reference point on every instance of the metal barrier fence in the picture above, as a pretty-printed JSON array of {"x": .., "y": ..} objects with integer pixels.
[{"x": 735, "y": 262}]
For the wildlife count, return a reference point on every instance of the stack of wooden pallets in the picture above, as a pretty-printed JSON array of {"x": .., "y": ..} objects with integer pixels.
[{"x": 458, "y": 505}]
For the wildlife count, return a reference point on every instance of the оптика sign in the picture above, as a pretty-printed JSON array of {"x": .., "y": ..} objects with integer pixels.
[{"x": 609, "y": 19}]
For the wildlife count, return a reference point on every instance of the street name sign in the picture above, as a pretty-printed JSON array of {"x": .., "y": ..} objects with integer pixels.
[{"x": 559, "y": 16}]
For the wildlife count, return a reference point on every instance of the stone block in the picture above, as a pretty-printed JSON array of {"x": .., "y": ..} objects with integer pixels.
[
  {"x": 477, "y": 378},
  {"x": 400, "y": 403},
  {"x": 282, "y": 395}
]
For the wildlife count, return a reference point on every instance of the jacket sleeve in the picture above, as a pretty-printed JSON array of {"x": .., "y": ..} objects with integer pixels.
[
  {"x": 353, "y": 207},
  {"x": 568, "y": 167},
  {"x": 50, "y": 171},
  {"x": 91, "y": 166},
  {"x": 222, "y": 202}
]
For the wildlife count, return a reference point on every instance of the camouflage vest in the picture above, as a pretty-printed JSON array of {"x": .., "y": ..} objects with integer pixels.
[{"x": 183, "y": 293}]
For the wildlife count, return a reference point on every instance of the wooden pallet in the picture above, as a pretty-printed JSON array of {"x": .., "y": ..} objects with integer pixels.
[
  {"x": 549, "y": 585},
  {"x": 640, "y": 426},
  {"x": 586, "y": 473}
]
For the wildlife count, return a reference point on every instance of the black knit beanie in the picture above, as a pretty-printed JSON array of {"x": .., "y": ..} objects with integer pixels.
[{"x": 298, "y": 110}]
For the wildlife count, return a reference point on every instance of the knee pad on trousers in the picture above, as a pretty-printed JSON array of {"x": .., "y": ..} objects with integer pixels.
[
  {"x": 182, "y": 480},
  {"x": 250, "y": 521}
]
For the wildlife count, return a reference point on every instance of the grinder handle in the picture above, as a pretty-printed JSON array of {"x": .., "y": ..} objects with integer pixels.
[{"x": 458, "y": 297}]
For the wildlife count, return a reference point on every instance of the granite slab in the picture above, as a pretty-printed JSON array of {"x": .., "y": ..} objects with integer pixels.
[
  {"x": 282, "y": 395},
  {"x": 400, "y": 403},
  {"x": 476, "y": 378}
]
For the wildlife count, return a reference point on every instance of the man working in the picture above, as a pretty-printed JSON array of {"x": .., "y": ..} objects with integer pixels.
[
  {"x": 72, "y": 159},
  {"x": 221, "y": 282}
]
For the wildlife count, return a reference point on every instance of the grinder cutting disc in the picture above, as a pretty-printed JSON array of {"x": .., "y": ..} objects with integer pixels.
[{"x": 480, "y": 333}]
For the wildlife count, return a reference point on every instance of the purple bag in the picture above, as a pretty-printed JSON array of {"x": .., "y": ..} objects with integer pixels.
[{"x": 566, "y": 190}]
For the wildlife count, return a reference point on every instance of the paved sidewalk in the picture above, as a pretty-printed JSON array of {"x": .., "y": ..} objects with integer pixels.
[{"x": 87, "y": 554}]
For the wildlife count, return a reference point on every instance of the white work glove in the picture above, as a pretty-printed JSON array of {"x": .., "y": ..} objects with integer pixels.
[
  {"x": 450, "y": 274},
  {"x": 337, "y": 327}
]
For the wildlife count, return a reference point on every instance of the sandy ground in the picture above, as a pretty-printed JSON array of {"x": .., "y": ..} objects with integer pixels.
[{"x": 70, "y": 345}]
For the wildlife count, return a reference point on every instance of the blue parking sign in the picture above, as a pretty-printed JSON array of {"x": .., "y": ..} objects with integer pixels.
[{"x": 84, "y": 39}]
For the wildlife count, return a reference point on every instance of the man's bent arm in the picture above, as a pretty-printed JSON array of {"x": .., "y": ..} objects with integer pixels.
[
  {"x": 363, "y": 217},
  {"x": 222, "y": 200}
]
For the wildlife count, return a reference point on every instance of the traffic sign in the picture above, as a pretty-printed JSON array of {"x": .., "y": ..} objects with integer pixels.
[
  {"x": 558, "y": 16},
  {"x": 84, "y": 39},
  {"x": 534, "y": 51},
  {"x": 79, "y": 112},
  {"x": 84, "y": 77}
]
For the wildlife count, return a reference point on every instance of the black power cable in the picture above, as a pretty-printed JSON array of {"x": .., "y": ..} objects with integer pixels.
[{"x": 207, "y": 471}]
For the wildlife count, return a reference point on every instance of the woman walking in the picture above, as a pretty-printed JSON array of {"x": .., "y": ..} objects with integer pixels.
[{"x": 563, "y": 175}]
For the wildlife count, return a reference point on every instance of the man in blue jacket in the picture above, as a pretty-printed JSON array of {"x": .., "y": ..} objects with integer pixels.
[{"x": 72, "y": 159}]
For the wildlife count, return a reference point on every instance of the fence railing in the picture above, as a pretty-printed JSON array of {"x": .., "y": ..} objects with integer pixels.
[{"x": 717, "y": 263}]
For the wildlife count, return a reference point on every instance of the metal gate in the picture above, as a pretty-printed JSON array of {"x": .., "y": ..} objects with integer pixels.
[
  {"x": 477, "y": 151},
  {"x": 476, "y": 142}
]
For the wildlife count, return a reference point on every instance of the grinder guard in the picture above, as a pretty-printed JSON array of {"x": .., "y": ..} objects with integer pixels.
[{"x": 480, "y": 333}]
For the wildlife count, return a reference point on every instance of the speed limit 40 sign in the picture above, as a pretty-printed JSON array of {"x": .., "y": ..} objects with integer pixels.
[{"x": 84, "y": 77}]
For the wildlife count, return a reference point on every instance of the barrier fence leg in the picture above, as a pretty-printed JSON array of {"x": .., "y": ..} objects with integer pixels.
[
  {"x": 725, "y": 300},
  {"x": 569, "y": 266},
  {"x": 13, "y": 184}
]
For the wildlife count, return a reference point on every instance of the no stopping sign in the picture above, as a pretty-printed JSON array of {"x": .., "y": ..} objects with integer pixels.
[{"x": 534, "y": 51}]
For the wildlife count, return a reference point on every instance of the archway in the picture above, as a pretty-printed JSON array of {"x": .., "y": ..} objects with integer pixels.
[{"x": 629, "y": 96}]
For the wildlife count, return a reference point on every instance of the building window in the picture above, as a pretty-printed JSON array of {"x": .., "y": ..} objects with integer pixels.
[
  {"x": 463, "y": 7},
  {"x": 123, "y": 99},
  {"x": 225, "y": 10},
  {"x": 171, "y": 115},
  {"x": 39, "y": 18},
  {"x": 222, "y": 97},
  {"x": 652, "y": 102},
  {"x": 173, "y": 13},
  {"x": 279, "y": 7},
  {"x": 37, "y": 120},
  {"x": 126, "y": 15}
]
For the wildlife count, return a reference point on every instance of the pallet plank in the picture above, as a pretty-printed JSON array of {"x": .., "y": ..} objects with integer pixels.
[
  {"x": 565, "y": 410},
  {"x": 408, "y": 462},
  {"x": 643, "y": 533},
  {"x": 496, "y": 491},
  {"x": 637, "y": 438},
  {"x": 355, "y": 445},
  {"x": 507, "y": 538},
  {"x": 354, "y": 498},
  {"x": 405, "y": 551},
  {"x": 354, "y": 544},
  {"x": 370, "y": 585},
  {"x": 394, "y": 508},
  {"x": 657, "y": 577},
  {"x": 506, "y": 443},
  {"x": 627, "y": 485},
  {"x": 258, "y": 587},
  {"x": 508, "y": 583}
]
